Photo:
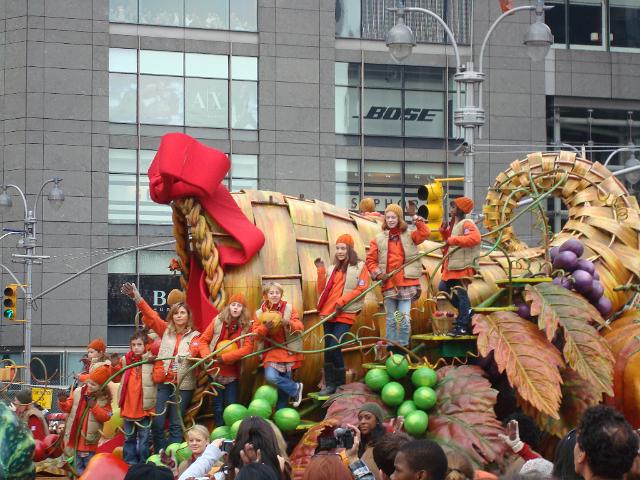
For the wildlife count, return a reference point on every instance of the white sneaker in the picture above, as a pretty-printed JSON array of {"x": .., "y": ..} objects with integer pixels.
[{"x": 298, "y": 399}]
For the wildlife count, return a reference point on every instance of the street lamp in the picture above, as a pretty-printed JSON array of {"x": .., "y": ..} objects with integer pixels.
[
  {"x": 28, "y": 242},
  {"x": 470, "y": 116}
]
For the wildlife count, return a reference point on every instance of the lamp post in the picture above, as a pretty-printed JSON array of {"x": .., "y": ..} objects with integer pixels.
[
  {"x": 28, "y": 242},
  {"x": 471, "y": 115}
]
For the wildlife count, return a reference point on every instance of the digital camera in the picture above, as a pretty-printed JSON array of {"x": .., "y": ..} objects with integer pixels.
[{"x": 341, "y": 438}]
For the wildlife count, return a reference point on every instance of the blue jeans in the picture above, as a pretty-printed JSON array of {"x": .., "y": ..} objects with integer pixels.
[
  {"x": 82, "y": 462},
  {"x": 137, "y": 441},
  {"x": 283, "y": 382},
  {"x": 399, "y": 332},
  {"x": 459, "y": 299},
  {"x": 170, "y": 410},
  {"x": 337, "y": 330},
  {"x": 225, "y": 397}
]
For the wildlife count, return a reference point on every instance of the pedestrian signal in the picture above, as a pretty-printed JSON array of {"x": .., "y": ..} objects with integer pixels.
[
  {"x": 433, "y": 210},
  {"x": 10, "y": 301}
]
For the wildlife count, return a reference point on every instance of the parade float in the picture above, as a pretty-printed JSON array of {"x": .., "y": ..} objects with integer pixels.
[{"x": 554, "y": 324}]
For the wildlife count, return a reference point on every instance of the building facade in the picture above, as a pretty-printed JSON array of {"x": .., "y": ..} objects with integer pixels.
[{"x": 303, "y": 97}]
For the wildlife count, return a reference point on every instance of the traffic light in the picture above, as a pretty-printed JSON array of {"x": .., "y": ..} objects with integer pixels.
[
  {"x": 10, "y": 301},
  {"x": 432, "y": 211}
]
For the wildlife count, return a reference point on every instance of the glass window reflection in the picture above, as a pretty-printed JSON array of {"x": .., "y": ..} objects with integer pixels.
[
  {"x": 243, "y": 15},
  {"x": 206, "y": 103},
  {"x": 123, "y": 11},
  {"x": 161, "y": 63},
  {"x": 122, "y": 160},
  {"x": 123, "y": 60},
  {"x": 244, "y": 105},
  {"x": 122, "y": 198},
  {"x": 424, "y": 114},
  {"x": 244, "y": 68},
  {"x": 213, "y": 14},
  {"x": 161, "y": 12},
  {"x": 382, "y": 112},
  {"x": 347, "y": 111},
  {"x": 348, "y": 18},
  {"x": 244, "y": 166},
  {"x": 161, "y": 100},
  {"x": 205, "y": 65},
  {"x": 624, "y": 19},
  {"x": 122, "y": 98}
]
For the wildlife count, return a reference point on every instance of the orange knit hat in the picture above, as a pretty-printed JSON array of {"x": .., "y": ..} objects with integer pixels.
[
  {"x": 97, "y": 344},
  {"x": 464, "y": 203},
  {"x": 100, "y": 374},
  {"x": 238, "y": 298},
  {"x": 395, "y": 208},
  {"x": 367, "y": 205},
  {"x": 346, "y": 239}
]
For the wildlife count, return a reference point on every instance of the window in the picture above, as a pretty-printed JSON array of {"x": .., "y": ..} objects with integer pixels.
[
  {"x": 594, "y": 24},
  {"x": 400, "y": 101},
  {"x": 129, "y": 192},
  {"x": 149, "y": 270},
  {"x": 239, "y": 15},
  {"x": 183, "y": 89},
  {"x": 388, "y": 181},
  {"x": 372, "y": 20}
]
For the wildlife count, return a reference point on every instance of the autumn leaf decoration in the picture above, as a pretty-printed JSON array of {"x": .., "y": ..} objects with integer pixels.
[
  {"x": 533, "y": 364},
  {"x": 530, "y": 361},
  {"x": 463, "y": 418},
  {"x": 585, "y": 350}
]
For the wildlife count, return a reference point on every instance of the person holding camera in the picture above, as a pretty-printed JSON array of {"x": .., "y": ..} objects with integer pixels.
[
  {"x": 347, "y": 278},
  {"x": 371, "y": 428},
  {"x": 326, "y": 464},
  {"x": 82, "y": 431},
  {"x": 198, "y": 440}
]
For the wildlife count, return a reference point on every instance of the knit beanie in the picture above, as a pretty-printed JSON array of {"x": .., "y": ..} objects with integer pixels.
[
  {"x": 395, "y": 208},
  {"x": 367, "y": 205},
  {"x": 346, "y": 239},
  {"x": 23, "y": 397},
  {"x": 374, "y": 409},
  {"x": 97, "y": 344},
  {"x": 464, "y": 203},
  {"x": 238, "y": 298},
  {"x": 175, "y": 296},
  {"x": 100, "y": 375},
  {"x": 148, "y": 471}
]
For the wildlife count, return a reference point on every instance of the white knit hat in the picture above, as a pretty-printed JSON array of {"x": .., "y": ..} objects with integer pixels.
[{"x": 537, "y": 467}]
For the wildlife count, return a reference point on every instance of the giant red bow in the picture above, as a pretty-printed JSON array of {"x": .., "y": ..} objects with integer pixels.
[{"x": 183, "y": 167}]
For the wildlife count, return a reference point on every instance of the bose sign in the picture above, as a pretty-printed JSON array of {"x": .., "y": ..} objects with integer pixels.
[{"x": 407, "y": 114}]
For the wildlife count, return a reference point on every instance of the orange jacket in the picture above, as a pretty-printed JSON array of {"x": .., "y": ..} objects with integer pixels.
[
  {"x": 101, "y": 414},
  {"x": 280, "y": 355},
  {"x": 396, "y": 258},
  {"x": 336, "y": 297},
  {"x": 469, "y": 239},
  {"x": 230, "y": 366}
]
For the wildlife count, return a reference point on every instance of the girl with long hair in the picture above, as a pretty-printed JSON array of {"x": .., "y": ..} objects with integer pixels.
[
  {"x": 175, "y": 381},
  {"x": 232, "y": 322},
  {"x": 347, "y": 278},
  {"x": 389, "y": 250}
]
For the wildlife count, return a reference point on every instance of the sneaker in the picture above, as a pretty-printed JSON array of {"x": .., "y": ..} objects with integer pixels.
[{"x": 298, "y": 399}]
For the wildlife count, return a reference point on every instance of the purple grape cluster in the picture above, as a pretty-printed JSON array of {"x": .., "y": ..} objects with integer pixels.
[{"x": 584, "y": 277}]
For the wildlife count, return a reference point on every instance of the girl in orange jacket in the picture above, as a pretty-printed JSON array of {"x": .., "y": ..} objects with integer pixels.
[
  {"x": 232, "y": 322},
  {"x": 278, "y": 321},
  {"x": 390, "y": 249},
  {"x": 94, "y": 396},
  {"x": 348, "y": 277},
  {"x": 458, "y": 266}
]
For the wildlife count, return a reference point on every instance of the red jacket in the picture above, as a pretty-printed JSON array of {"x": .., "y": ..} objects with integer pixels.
[{"x": 335, "y": 297}]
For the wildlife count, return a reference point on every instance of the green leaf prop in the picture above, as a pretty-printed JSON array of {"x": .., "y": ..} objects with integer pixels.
[
  {"x": 585, "y": 350},
  {"x": 530, "y": 361},
  {"x": 464, "y": 415}
]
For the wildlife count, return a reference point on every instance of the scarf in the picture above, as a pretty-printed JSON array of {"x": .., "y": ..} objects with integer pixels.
[
  {"x": 82, "y": 403},
  {"x": 327, "y": 289},
  {"x": 394, "y": 234},
  {"x": 278, "y": 307},
  {"x": 129, "y": 358}
]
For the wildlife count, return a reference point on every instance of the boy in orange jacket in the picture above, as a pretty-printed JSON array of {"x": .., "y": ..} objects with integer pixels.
[
  {"x": 278, "y": 321},
  {"x": 95, "y": 396},
  {"x": 136, "y": 398},
  {"x": 458, "y": 267}
]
